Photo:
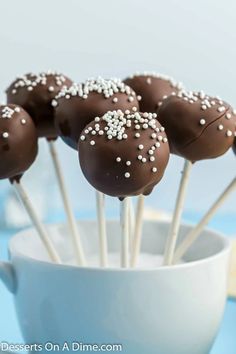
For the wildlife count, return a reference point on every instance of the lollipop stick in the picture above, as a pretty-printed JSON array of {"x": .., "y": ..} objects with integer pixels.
[
  {"x": 174, "y": 228},
  {"x": 124, "y": 218},
  {"x": 100, "y": 200},
  {"x": 137, "y": 231},
  {"x": 35, "y": 220},
  {"x": 67, "y": 205},
  {"x": 193, "y": 235},
  {"x": 131, "y": 222}
]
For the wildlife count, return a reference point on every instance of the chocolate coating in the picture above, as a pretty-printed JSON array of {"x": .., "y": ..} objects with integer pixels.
[
  {"x": 198, "y": 126},
  {"x": 234, "y": 146},
  {"x": 80, "y": 104},
  {"x": 124, "y": 154},
  {"x": 34, "y": 93},
  {"x": 18, "y": 141},
  {"x": 151, "y": 89}
]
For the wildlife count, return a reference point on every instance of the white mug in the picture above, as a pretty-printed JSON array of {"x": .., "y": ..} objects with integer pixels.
[{"x": 158, "y": 310}]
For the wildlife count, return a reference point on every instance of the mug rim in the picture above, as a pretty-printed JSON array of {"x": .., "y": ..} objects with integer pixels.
[{"x": 226, "y": 247}]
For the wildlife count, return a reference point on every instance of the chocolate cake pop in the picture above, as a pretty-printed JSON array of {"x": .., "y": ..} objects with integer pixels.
[
  {"x": 151, "y": 89},
  {"x": 198, "y": 126},
  {"x": 80, "y": 104},
  {"x": 124, "y": 154},
  {"x": 35, "y": 93},
  {"x": 18, "y": 141}
]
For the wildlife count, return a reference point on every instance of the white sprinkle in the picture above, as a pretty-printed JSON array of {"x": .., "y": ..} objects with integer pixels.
[
  {"x": 127, "y": 111},
  {"x": 140, "y": 147},
  {"x": 228, "y": 116},
  {"x": 221, "y": 109},
  {"x": 137, "y": 135},
  {"x": 202, "y": 121},
  {"x": 152, "y": 158},
  {"x": 137, "y": 126},
  {"x": 51, "y": 89},
  {"x": 115, "y": 100},
  {"x": 97, "y": 119},
  {"x": 13, "y": 91},
  {"x": 165, "y": 140},
  {"x": 128, "y": 163},
  {"x": 101, "y": 132},
  {"x": 160, "y": 138},
  {"x": 154, "y": 169},
  {"x": 149, "y": 81},
  {"x": 134, "y": 109},
  {"x": 82, "y": 137},
  {"x": 153, "y": 135},
  {"x": 131, "y": 98},
  {"x": 118, "y": 159},
  {"x": 23, "y": 121},
  {"x": 157, "y": 145},
  {"x": 139, "y": 98},
  {"x": 229, "y": 133},
  {"x": 30, "y": 88},
  {"x": 109, "y": 136},
  {"x": 204, "y": 107},
  {"x": 144, "y": 159},
  {"x": 145, "y": 126},
  {"x": 162, "y": 129},
  {"x": 5, "y": 135},
  {"x": 220, "y": 127},
  {"x": 17, "y": 109},
  {"x": 54, "y": 103},
  {"x": 150, "y": 152},
  {"x": 140, "y": 157},
  {"x": 92, "y": 142},
  {"x": 125, "y": 136},
  {"x": 127, "y": 175},
  {"x": 234, "y": 111}
]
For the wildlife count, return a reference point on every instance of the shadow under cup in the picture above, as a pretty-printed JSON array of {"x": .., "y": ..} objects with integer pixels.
[{"x": 165, "y": 310}]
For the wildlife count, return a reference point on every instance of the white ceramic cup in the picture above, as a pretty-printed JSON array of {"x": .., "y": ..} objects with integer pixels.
[{"x": 165, "y": 310}]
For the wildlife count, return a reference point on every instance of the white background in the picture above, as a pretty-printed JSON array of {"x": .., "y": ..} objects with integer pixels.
[{"x": 193, "y": 41}]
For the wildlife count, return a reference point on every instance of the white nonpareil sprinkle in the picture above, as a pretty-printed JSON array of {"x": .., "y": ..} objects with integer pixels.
[
  {"x": 152, "y": 158},
  {"x": 82, "y": 137},
  {"x": 17, "y": 109},
  {"x": 220, "y": 127},
  {"x": 137, "y": 135},
  {"x": 92, "y": 142},
  {"x": 154, "y": 169},
  {"x": 23, "y": 121},
  {"x": 128, "y": 163},
  {"x": 228, "y": 115},
  {"x": 149, "y": 80},
  {"x": 202, "y": 121},
  {"x": 115, "y": 100},
  {"x": 5, "y": 135},
  {"x": 127, "y": 175},
  {"x": 229, "y": 133},
  {"x": 221, "y": 109},
  {"x": 141, "y": 147},
  {"x": 51, "y": 89},
  {"x": 118, "y": 159},
  {"x": 165, "y": 140},
  {"x": 139, "y": 98}
]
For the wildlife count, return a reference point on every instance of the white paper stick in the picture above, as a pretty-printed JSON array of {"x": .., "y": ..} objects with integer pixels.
[
  {"x": 67, "y": 205},
  {"x": 35, "y": 220},
  {"x": 100, "y": 202},
  {"x": 131, "y": 222},
  {"x": 175, "y": 225},
  {"x": 137, "y": 231},
  {"x": 124, "y": 221},
  {"x": 196, "y": 231}
]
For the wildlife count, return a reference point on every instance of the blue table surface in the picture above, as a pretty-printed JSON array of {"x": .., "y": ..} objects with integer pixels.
[{"x": 225, "y": 342}]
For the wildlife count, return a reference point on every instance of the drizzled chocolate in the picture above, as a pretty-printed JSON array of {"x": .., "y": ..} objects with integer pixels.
[
  {"x": 35, "y": 93},
  {"x": 18, "y": 141},
  {"x": 151, "y": 89},
  {"x": 80, "y": 104},
  {"x": 198, "y": 126},
  {"x": 124, "y": 154}
]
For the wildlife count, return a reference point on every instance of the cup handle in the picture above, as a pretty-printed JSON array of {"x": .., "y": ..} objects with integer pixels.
[{"x": 7, "y": 275}]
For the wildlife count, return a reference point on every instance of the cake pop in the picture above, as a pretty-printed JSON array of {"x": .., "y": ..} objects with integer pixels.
[
  {"x": 124, "y": 154},
  {"x": 198, "y": 126},
  {"x": 151, "y": 89},
  {"x": 18, "y": 141},
  {"x": 80, "y": 104},
  {"x": 35, "y": 93},
  {"x": 18, "y": 150}
]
